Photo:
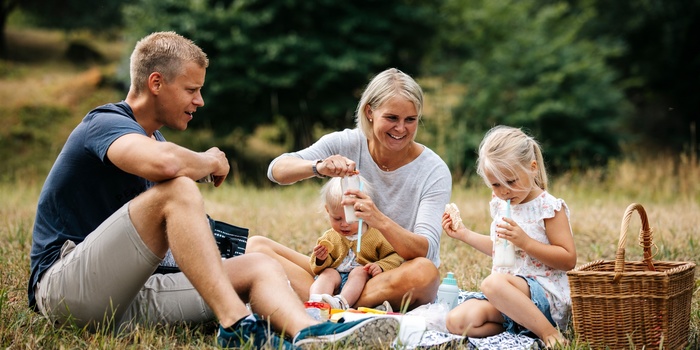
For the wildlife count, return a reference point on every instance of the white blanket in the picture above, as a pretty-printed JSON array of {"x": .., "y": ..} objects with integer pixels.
[{"x": 436, "y": 335}]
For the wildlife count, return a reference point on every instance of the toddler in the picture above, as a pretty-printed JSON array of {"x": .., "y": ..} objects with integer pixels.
[{"x": 335, "y": 260}]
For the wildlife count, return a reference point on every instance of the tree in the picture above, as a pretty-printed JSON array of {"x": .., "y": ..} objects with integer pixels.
[
  {"x": 659, "y": 66},
  {"x": 293, "y": 63},
  {"x": 6, "y": 7},
  {"x": 524, "y": 65},
  {"x": 302, "y": 61},
  {"x": 65, "y": 14}
]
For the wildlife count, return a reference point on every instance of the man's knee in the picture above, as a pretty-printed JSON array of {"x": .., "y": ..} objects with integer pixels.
[
  {"x": 257, "y": 244},
  {"x": 180, "y": 188}
]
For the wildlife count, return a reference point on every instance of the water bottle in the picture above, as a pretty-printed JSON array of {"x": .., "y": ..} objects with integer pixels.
[{"x": 448, "y": 292}]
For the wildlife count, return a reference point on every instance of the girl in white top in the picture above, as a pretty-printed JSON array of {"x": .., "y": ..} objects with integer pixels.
[{"x": 533, "y": 295}]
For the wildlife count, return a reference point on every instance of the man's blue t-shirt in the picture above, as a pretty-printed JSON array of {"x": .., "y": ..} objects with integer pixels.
[{"x": 83, "y": 187}]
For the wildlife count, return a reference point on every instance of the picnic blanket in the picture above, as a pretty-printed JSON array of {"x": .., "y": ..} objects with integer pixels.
[
  {"x": 436, "y": 335},
  {"x": 440, "y": 340}
]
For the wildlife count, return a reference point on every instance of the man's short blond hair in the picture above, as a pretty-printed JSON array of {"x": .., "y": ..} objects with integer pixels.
[{"x": 163, "y": 52}]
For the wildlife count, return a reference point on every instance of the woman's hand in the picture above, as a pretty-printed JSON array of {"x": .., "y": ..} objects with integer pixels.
[
  {"x": 365, "y": 208},
  {"x": 407, "y": 244},
  {"x": 336, "y": 165}
]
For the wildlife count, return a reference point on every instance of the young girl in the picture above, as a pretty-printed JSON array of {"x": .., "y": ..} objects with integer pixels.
[
  {"x": 533, "y": 295},
  {"x": 335, "y": 260}
]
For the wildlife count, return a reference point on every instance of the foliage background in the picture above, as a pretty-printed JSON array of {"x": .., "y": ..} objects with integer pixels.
[{"x": 595, "y": 81}]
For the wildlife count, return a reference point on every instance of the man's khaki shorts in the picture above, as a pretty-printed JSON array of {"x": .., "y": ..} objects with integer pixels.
[{"x": 108, "y": 280}]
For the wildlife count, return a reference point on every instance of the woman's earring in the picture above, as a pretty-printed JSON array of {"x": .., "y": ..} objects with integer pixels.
[{"x": 371, "y": 120}]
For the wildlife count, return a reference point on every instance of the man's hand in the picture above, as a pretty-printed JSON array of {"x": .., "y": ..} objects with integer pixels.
[{"x": 223, "y": 168}]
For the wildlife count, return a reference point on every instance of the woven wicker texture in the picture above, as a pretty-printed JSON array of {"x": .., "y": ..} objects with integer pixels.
[{"x": 617, "y": 304}]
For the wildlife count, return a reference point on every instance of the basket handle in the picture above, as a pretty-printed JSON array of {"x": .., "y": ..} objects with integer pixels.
[{"x": 645, "y": 240}]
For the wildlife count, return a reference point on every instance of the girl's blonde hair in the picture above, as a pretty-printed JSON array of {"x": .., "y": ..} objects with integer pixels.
[
  {"x": 332, "y": 192},
  {"x": 163, "y": 52},
  {"x": 506, "y": 148},
  {"x": 385, "y": 85}
]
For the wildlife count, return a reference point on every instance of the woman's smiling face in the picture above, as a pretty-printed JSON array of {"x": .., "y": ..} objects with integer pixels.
[{"x": 394, "y": 123}]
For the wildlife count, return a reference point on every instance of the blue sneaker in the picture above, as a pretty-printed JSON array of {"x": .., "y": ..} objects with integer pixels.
[
  {"x": 368, "y": 333},
  {"x": 252, "y": 334}
]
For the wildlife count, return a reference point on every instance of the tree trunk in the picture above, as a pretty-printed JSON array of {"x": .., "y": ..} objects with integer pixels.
[{"x": 5, "y": 10}]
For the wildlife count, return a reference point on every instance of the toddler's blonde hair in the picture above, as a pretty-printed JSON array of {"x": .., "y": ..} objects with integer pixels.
[{"x": 332, "y": 192}]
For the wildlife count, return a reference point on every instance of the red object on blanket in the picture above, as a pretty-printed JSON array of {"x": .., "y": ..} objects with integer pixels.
[{"x": 324, "y": 307}]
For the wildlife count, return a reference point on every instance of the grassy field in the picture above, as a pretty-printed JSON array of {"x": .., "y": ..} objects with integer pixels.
[
  {"x": 665, "y": 185},
  {"x": 291, "y": 215}
]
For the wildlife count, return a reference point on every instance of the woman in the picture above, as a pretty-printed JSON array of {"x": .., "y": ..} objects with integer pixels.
[{"x": 412, "y": 186}]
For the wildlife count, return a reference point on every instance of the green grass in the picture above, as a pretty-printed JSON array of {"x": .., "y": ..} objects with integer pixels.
[{"x": 291, "y": 215}]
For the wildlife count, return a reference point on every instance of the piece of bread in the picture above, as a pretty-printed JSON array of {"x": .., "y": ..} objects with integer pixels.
[
  {"x": 326, "y": 243},
  {"x": 453, "y": 211}
]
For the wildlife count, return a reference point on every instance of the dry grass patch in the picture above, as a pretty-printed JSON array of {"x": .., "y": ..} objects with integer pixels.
[{"x": 292, "y": 215}]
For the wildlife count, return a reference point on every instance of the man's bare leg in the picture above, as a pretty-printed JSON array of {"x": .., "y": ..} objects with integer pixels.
[{"x": 171, "y": 214}]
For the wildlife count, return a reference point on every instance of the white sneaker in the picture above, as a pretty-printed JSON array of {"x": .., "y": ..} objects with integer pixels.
[
  {"x": 336, "y": 302},
  {"x": 365, "y": 333}
]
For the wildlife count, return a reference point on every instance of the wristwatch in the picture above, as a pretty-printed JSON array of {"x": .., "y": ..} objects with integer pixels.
[{"x": 313, "y": 167}]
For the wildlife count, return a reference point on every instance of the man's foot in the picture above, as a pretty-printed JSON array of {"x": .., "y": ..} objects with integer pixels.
[
  {"x": 336, "y": 302},
  {"x": 255, "y": 333},
  {"x": 368, "y": 333}
]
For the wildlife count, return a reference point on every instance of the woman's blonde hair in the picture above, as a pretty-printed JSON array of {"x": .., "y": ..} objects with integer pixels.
[
  {"x": 332, "y": 192},
  {"x": 509, "y": 149},
  {"x": 163, "y": 52},
  {"x": 385, "y": 85}
]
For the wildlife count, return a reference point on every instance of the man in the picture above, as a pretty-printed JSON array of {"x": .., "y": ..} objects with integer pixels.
[{"x": 119, "y": 196}]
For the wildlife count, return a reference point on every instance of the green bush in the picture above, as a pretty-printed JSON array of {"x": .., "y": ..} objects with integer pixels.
[
  {"x": 28, "y": 143},
  {"x": 525, "y": 65}
]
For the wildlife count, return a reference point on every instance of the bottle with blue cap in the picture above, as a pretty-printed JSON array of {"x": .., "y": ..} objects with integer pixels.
[{"x": 448, "y": 292}]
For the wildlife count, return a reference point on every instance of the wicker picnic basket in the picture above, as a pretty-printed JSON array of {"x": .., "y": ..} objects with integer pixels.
[{"x": 617, "y": 304}]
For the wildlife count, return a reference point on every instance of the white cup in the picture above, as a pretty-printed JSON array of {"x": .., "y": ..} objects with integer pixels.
[
  {"x": 346, "y": 183},
  {"x": 503, "y": 253}
]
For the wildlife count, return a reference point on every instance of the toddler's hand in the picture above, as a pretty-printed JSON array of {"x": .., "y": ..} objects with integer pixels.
[
  {"x": 321, "y": 252},
  {"x": 373, "y": 269}
]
